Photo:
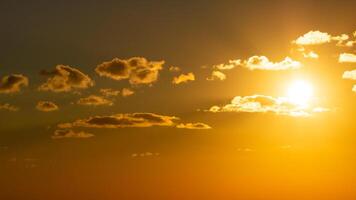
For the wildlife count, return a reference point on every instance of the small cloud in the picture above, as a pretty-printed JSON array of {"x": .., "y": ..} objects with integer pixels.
[
  {"x": 230, "y": 65},
  {"x": 94, "y": 100},
  {"x": 8, "y": 107},
  {"x": 340, "y": 39},
  {"x": 64, "y": 79},
  {"x": 349, "y": 75},
  {"x": 123, "y": 121},
  {"x": 174, "y": 69},
  {"x": 183, "y": 78},
  {"x": 216, "y": 75},
  {"x": 311, "y": 54},
  {"x": 263, "y": 63},
  {"x": 46, "y": 106},
  {"x": 13, "y": 83},
  {"x": 137, "y": 70},
  {"x": 127, "y": 92},
  {"x": 144, "y": 154},
  {"x": 347, "y": 58},
  {"x": 108, "y": 92},
  {"x": 313, "y": 38},
  {"x": 197, "y": 125},
  {"x": 354, "y": 88},
  {"x": 61, "y": 134}
]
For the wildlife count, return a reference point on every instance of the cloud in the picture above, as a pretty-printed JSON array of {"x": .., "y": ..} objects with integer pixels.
[
  {"x": 216, "y": 75},
  {"x": 64, "y": 79},
  {"x": 13, "y": 83},
  {"x": 174, "y": 69},
  {"x": 313, "y": 38},
  {"x": 263, "y": 63},
  {"x": 264, "y": 104},
  {"x": 144, "y": 154},
  {"x": 183, "y": 78},
  {"x": 349, "y": 75},
  {"x": 67, "y": 133},
  {"x": 354, "y": 88},
  {"x": 230, "y": 65},
  {"x": 127, "y": 92},
  {"x": 8, "y": 107},
  {"x": 137, "y": 70},
  {"x": 123, "y": 121},
  {"x": 341, "y": 39},
  {"x": 197, "y": 125},
  {"x": 94, "y": 100},
  {"x": 46, "y": 106},
  {"x": 311, "y": 54},
  {"x": 347, "y": 58},
  {"x": 108, "y": 92}
]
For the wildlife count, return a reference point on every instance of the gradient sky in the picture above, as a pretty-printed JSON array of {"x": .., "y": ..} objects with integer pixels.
[{"x": 177, "y": 100}]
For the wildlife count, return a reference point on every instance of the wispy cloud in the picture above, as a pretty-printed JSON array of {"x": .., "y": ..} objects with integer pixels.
[
  {"x": 8, "y": 107},
  {"x": 67, "y": 133},
  {"x": 197, "y": 125}
]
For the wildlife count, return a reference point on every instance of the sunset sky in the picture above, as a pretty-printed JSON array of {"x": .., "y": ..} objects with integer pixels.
[{"x": 246, "y": 99}]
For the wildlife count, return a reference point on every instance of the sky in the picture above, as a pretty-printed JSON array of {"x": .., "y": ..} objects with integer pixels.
[{"x": 154, "y": 99}]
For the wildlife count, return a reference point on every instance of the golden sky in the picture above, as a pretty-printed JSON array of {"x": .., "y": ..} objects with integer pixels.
[{"x": 178, "y": 100}]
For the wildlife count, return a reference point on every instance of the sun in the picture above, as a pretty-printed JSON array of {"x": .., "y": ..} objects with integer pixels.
[{"x": 300, "y": 92}]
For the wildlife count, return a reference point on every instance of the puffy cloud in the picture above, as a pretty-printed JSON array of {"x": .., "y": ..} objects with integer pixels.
[
  {"x": 46, "y": 106},
  {"x": 230, "y": 65},
  {"x": 354, "y": 88},
  {"x": 94, "y": 100},
  {"x": 122, "y": 121},
  {"x": 311, "y": 54},
  {"x": 264, "y": 104},
  {"x": 13, "y": 83},
  {"x": 127, "y": 92},
  {"x": 347, "y": 58},
  {"x": 216, "y": 75},
  {"x": 313, "y": 38},
  {"x": 197, "y": 125},
  {"x": 174, "y": 69},
  {"x": 8, "y": 107},
  {"x": 108, "y": 92},
  {"x": 183, "y": 78},
  {"x": 67, "y": 133},
  {"x": 137, "y": 70},
  {"x": 349, "y": 75},
  {"x": 64, "y": 79},
  {"x": 263, "y": 63}
]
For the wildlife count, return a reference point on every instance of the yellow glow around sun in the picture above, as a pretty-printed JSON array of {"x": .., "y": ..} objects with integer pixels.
[{"x": 300, "y": 92}]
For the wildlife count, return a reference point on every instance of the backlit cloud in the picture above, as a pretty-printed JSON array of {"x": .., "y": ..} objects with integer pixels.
[
  {"x": 311, "y": 54},
  {"x": 197, "y": 125},
  {"x": 137, "y": 70},
  {"x": 13, "y": 83},
  {"x": 94, "y": 100},
  {"x": 46, "y": 106},
  {"x": 174, "y": 69},
  {"x": 265, "y": 104},
  {"x": 64, "y": 79},
  {"x": 263, "y": 63},
  {"x": 227, "y": 66},
  {"x": 183, "y": 78},
  {"x": 67, "y": 133},
  {"x": 123, "y": 121},
  {"x": 127, "y": 92},
  {"x": 8, "y": 107},
  {"x": 313, "y": 38},
  {"x": 349, "y": 75},
  {"x": 354, "y": 88},
  {"x": 347, "y": 58},
  {"x": 108, "y": 92},
  {"x": 216, "y": 75}
]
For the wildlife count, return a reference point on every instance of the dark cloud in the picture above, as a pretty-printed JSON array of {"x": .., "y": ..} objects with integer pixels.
[
  {"x": 137, "y": 70},
  {"x": 46, "y": 106},
  {"x": 94, "y": 100},
  {"x": 64, "y": 79},
  {"x": 13, "y": 83}
]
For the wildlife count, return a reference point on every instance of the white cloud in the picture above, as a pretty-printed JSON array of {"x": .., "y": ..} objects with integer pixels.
[
  {"x": 313, "y": 38},
  {"x": 347, "y": 58},
  {"x": 216, "y": 75},
  {"x": 349, "y": 75},
  {"x": 263, "y": 63}
]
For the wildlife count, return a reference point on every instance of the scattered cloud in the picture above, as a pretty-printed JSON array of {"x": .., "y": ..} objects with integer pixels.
[
  {"x": 46, "y": 106},
  {"x": 13, "y": 83},
  {"x": 264, "y": 104},
  {"x": 347, "y": 58},
  {"x": 8, "y": 107},
  {"x": 123, "y": 121},
  {"x": 137, "y": 70},
  {"x": 197, "y": 125},
  {"x": 313, "y": 38},
  {"x": 230, "y": 65},
  {"x": 67, "y": 133},
  {"x": 94, "y": 100},
  {"x": 311, "y": 54},
  {"x": 216, "y": 75},
  {"x": 349, "y": 75},
  {"x": 127, "y": 92},
  {"x": 183, "y": 78},
  {"x": 108, "y": 92},
  {"x": 263, "y": 63},
  {"x": 64, "y": 79},
  {"x": 174, "y": 69}
]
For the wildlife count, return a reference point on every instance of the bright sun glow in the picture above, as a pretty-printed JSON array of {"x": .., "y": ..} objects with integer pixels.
[{"x": 300, "y": 93}]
